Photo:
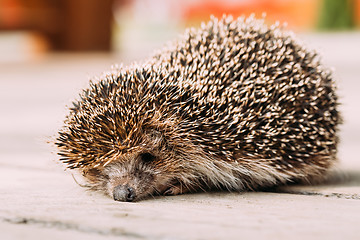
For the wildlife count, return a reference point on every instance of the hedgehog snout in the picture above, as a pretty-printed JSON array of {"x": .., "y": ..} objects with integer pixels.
[{"x": 124, "y": 193}]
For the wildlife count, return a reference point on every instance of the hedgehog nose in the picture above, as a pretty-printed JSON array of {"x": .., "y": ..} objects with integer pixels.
[{"x": 124, "y": 193}]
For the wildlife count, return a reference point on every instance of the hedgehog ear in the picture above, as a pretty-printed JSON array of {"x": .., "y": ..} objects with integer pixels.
[{"x": 156, "y": 136}]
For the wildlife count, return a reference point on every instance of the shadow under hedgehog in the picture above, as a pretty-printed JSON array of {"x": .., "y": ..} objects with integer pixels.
[{"x": 235, "y": 105}]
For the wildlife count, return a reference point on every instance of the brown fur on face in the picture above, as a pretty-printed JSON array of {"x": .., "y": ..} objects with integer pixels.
[{"x": 150, "y": 169}]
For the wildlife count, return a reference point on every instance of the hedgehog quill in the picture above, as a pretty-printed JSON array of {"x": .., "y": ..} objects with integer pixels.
[{"x": 234, "y": 105}]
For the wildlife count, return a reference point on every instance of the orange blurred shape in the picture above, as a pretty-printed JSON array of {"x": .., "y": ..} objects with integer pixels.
[
  {"x": 357, "y": 13},
  {"x": 10, "y": 13},
  {"x": 299, "y": 14}
]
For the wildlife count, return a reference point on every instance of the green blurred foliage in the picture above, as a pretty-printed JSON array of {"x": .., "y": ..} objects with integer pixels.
[{"x": 337, "y": 15}]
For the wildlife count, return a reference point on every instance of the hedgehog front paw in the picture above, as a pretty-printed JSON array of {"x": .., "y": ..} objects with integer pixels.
[{"x": 175, "y": 190}]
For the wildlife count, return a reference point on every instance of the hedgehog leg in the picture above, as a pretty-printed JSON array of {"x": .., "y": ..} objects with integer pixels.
[{"x": 176, "y": 189}]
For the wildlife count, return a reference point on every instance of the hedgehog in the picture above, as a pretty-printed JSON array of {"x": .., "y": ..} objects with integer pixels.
[{"x": 233, "y": 105}]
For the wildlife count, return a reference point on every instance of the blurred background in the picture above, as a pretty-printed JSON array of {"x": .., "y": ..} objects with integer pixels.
[
  {"x": 49, "y": 49},
  {"x": 29, "y": 28}
]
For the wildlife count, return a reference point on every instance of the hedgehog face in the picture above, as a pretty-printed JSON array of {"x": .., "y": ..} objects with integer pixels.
[
  {"x": 147, "y": 170},
  {"x": 137, "y": 177}
]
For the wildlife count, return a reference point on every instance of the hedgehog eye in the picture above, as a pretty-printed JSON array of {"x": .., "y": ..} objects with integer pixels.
[{"x": 147, "y": 157}]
